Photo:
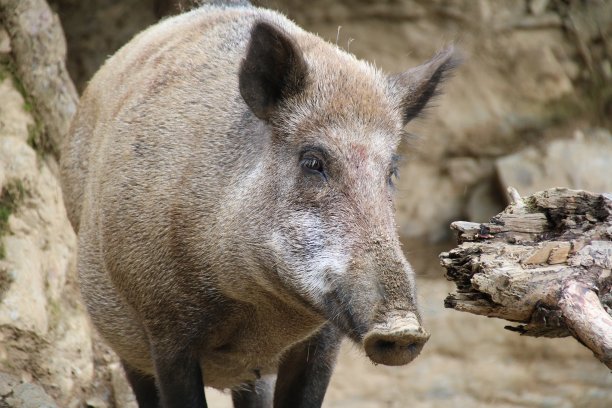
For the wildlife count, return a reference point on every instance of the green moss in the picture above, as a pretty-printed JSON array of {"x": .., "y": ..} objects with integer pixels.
[
  {"x": 531, "y": 205},
  {"x": 7, "y": 68},
  {"x": 27, "y": 106},
  {"x": 37, "y": 138},
  {"x": 54, "y": 311},
  {"x": 11, "y": 196},
  {"x": 18, "y": 84}
]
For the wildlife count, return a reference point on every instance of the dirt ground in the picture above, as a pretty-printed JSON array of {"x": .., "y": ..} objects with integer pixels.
[{"x": 470, "y": 361}]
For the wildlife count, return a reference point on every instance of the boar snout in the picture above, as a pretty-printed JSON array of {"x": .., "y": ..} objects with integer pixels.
[{"x": 396, "y": 341}]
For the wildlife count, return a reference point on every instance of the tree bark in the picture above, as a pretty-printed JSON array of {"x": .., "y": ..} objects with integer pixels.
[{"x": 545, "y": 262}]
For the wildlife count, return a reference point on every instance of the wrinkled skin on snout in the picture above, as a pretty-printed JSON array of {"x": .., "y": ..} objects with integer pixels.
[{"x": 230, "y": 177}]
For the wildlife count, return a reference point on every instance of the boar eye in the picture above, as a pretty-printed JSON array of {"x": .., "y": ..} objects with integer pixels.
[
  {"x": 394, "y": 170},
  {"x": 393, "y": 176},
  {"x": 313, "y": 159},
  {"x": 312, "y": 164}
]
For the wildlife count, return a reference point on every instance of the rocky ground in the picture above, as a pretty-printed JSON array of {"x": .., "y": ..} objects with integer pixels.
[{"x": 530, "y": 107}]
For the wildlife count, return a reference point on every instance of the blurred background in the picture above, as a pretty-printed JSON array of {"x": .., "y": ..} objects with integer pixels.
[{"x": 531, "y": 107}]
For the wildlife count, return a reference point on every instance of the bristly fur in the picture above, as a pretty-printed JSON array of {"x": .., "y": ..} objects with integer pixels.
[
  {"x": 209, "y": 253},
  {"x": 440, "y": 68},
  {"x": 223, "y": 3}
]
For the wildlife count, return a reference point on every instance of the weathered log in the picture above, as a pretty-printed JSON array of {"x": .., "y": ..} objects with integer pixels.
[{"x": 545, "y": 262}]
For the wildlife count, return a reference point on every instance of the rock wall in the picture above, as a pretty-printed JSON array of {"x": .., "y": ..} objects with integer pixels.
[{"x": 44, "y": 333}]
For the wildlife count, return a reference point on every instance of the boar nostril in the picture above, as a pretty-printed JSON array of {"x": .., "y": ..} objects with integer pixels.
[
  {"x": 393, "y": 349},
  {"x": 395, "y": 342},
  {"x": 384, "y": 344},
  {"x": 389, "y": 345}
]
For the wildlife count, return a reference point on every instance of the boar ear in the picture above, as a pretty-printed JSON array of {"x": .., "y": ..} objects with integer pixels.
[
  {"x": 414, "y": 88},
  {"x": 273, "y": 69}
]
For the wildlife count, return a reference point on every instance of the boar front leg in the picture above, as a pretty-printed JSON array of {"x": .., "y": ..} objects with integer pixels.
[
  {"x": 304, "y": 373},
  {"x": 143, "y": 386},
  {"x": 179, "y": 379}
]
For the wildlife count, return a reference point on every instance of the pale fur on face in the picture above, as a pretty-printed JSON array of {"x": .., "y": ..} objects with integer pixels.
[{"x": 315, "y": 261}]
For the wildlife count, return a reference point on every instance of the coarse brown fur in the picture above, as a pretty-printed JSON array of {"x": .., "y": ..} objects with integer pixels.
[{"x": 203, "y": 237}]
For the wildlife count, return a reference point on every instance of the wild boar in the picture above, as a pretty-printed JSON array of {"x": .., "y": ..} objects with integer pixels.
[{"x": 230, "y": 177}]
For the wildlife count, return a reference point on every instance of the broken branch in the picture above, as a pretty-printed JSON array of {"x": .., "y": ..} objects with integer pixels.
[{"x": 544, "y": 262}]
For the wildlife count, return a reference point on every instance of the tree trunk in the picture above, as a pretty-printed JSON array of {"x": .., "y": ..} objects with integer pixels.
[{"x": 546, "y": 262}]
